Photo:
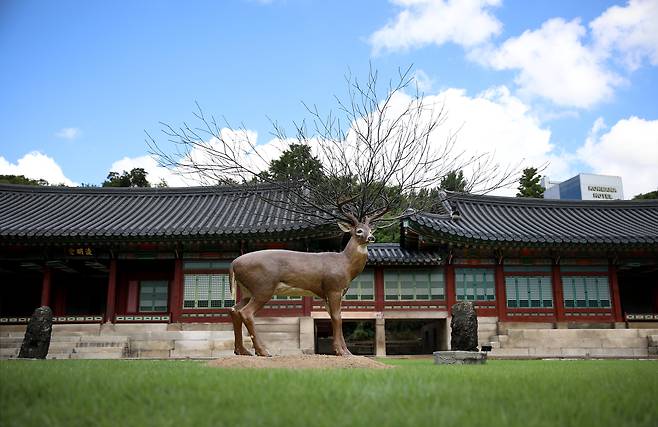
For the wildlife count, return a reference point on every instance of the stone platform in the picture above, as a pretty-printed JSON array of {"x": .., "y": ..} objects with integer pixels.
[{"x": 459, "y": 358}]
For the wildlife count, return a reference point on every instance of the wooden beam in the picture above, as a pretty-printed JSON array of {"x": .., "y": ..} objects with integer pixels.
[
  {"x": 46, "y": 286},
  {"x": 614, "y": 290},
  {"x": 501, "y": 299},
  {"x": 558, "y": 296},
  {"x": 451, "y": 294},
  {"x": 176, "y": 291},
  {"x": 379, "y": 289}
]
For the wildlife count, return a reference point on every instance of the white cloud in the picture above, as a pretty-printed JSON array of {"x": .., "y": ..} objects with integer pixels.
[
  {"x": 497, "y": 122},
  {"x": 629, "y": 149},
  {"x": 493, "y": 122},
  {"x": 423, "y": 22},
  {"x": 68, "y": 133},
  {"x": 632, "y": 31},
  {"x": 554, "y": 63},
  {"x": 36, "y": 165},
  {"x": 239, "y": 141},
  {"x": 561, "y": 61},
  {"x": 422, "y": 81}
]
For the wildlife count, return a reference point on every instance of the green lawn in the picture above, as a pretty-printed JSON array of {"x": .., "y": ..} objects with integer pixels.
[{"x": 416, "y": 393}]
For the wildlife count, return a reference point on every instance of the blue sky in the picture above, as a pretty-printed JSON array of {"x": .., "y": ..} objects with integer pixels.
[{"x": 570, "y": 83}]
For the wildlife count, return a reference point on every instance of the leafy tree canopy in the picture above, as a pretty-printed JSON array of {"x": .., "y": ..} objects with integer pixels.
[
  {"x": 649, "y": 195},
  {"x": 529, "y": 185},
  {"x": 135, "y": 178},
  {"x": 454, "y": 181},
  {"x": 21, "y": 179},
  {"x": 295, "y": 164}
]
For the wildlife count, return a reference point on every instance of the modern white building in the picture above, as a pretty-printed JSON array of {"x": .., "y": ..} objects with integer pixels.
[{"x": 584, "y": 186}]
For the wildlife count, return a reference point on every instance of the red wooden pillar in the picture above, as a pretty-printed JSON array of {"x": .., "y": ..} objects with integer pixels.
[
  {"x": 614, "y": 290},
  {"x": 379, "y": 289},
  {"x": 45, "y": 287},
  {"x": 451, "y": 294},
  {"x": 176, "y": 293},
  {"x": 111, "y": 292},
  {"x": 307, "y": 305},
  {"x": 558, "y": 298},
  {"x": 501, "y": 298}
]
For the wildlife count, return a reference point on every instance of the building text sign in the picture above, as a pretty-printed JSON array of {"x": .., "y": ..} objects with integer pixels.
[{"x": 603, "y": 192}]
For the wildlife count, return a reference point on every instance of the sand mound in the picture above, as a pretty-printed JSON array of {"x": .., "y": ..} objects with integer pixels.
[{"x": 315, "y": 361}]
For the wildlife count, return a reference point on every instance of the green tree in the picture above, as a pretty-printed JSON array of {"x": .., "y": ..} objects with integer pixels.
[
  {"x": 649, "y": 195},
  {"x": 295, "y": 164},
  {"x": 135, "y": 178},
  {"x": 454, "y": 181},
  {"x": 21, "y": 179},
  {"x": 529, "y": 185}
]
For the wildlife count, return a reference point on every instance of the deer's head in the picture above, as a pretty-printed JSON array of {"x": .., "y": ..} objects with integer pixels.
[{"x": 361, "y": 231}]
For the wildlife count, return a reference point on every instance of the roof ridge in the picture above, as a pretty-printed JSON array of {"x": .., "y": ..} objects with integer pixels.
[
  {"x": 523, "y": 201},
  {"x": 224, "y": 189}
]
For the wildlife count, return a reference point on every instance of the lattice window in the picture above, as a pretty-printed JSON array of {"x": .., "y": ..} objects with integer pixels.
[
  {"x": 362, "y": 287},
  {"x": 529, "y": 291},
  {"x": 286, "y": 298},
  {"x": 586, "y": 291},
  {"x": 475, "y": 284},
  {"x": 209, "y": 290},
  {"x": 405, "y": 285},
  {"x": 153, "y": 295}
]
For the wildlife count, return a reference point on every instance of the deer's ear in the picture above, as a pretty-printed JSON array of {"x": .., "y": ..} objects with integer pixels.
[{"x": 344, "y": 226}]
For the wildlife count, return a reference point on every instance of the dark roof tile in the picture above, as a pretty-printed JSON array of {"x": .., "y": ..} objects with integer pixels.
[
  {"x": 541, "y": 222},
  {"x": 63, "y": 214},
  {"x": 393, "y": 254}
]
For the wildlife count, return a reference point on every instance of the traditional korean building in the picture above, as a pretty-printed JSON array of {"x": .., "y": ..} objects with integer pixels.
[{"x": 144, "y": 272}]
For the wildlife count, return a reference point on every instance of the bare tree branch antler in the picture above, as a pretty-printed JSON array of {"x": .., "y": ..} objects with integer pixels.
[{"x": 380, "y": 151}]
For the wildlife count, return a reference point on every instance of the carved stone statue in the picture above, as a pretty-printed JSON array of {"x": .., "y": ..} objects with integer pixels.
[
  {"x": 265, "y": 273},
  {"x": 37, "y": 335},
  {"x": 464, "y": 326}
]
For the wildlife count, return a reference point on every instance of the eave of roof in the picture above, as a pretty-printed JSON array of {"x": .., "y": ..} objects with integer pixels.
[
  {"x": 31, "y": 214},
  {"x": 516, "y": 222},
  {"x": 393, "y": 254}
]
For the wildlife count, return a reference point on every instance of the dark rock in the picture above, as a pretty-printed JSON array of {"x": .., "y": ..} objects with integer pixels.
[
  {"x": 464, "y": 325},
  {"x": 37, "y": 336}
]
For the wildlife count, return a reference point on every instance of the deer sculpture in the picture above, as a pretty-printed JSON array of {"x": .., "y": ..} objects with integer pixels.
[{"x": 262, "y": 274}]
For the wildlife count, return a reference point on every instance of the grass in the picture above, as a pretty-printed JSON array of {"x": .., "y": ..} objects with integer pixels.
[{"x": 417, "y": 393}]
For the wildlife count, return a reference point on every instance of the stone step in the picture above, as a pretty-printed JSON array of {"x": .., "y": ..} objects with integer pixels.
[
  {"x": 103, "y": 339},
  {"x": 576, "y": 343},
  {"x": 510, "y": 352},
  {"x": 100, "y": 349},
  {"x": 100, "y": 355},
  {"x": 77, "y": 329},
  {"x": 9, "y": 342},
  {"x": 652, "y": 340},
  {"x": 5, "y": 335},
  {"x": 8, "y": 353},
  {"x": 58, "y": 355},
  {"x": 150, "y": 354}
]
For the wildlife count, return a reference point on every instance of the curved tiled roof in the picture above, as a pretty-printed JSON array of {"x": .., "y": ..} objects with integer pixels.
[
  {"x": 30, "y": 213},
  {"x": 393, "y": 254},
  {"x": 506, "y": 221}
]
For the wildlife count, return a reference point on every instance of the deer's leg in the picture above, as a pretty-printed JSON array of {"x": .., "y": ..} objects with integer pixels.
[
  {"x": 333, "y": 303},
  {"x": 237, "y": 328},
  {"x": 247, "y": 315}
]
